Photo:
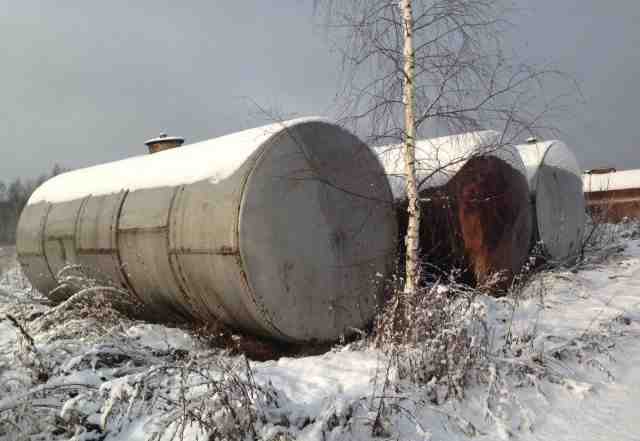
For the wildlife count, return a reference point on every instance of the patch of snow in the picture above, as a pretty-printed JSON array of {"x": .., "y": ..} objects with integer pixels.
[
  {"x": 563, "y": 365},
  {"x": 439, "y": 159},
  {"x": 618, "y": 180},
  {"x": 7, "y": 337},
  {"x": 598, "y": 413},
  {"x": 213, "y": 159},
  {"x": 161, "y": 338},
  {"x": 313, "y": 383}
]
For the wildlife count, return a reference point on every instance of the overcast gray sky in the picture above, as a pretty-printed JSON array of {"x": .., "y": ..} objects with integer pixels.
[{"x": 84, "y": 82}]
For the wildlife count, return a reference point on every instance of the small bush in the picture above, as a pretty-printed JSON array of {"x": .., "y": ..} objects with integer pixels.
[{"x": 436, "y": 335}]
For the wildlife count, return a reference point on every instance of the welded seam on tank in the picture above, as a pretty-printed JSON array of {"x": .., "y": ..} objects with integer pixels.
[
  {"x": 78, "y": 234},
  {"x": 229, "y": 316},
  {"x": 365, "y": 150},
  {"x": 390, "y": 211},
  {"x": 76, "y": 226},
  {"x": 94, "y": 251},
  {"x": 263, "y": 316},
  {"x": 178, "y": 308},
  {"x": 391, "y": 219},
  {"x": 132, "y": 230},
  {"x": 30, "y": 254},
  {"x": 115, "y": 225},
  {"x": 221, "y": 251},
  {"x": 176, "y": 272},
  {"x": 43, "y": 240}
]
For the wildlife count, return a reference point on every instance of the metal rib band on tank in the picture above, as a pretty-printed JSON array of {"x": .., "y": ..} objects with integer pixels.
[
  {"x": 282, "y": 230},
  {"x": 474, "y": 201},
  {"x": 558, "y": 201},
  {"x": 612, "y": 196}
]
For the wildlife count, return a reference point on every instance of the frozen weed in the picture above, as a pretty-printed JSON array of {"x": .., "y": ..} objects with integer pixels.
[{"x": 437, "y": 335}]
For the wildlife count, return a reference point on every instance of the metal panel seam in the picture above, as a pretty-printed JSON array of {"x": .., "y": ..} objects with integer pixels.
[
  {"x": 43, "y": 230},
  {"x": 175, "y": 272},
  {"x": 76, "y": 227},
  {"x": 115, "y": 223},
  {"x": 222, "y": 251},
  {"x": 261, "y": 309},
  {"x": 159, "y": 229}
]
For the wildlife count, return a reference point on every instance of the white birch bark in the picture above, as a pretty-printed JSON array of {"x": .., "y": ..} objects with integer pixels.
[{"x": 413, "y": 231}]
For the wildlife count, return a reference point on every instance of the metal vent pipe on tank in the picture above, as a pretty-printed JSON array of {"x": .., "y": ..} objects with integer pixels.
[
  {"x": 163, "y": 142},
  {"x": 285, "y": 230}
]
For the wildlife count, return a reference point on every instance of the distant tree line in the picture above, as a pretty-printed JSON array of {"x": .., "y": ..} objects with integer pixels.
[{"x": 13, "y": 197}]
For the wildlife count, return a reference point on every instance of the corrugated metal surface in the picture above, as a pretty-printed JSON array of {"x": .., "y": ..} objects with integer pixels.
[
  {"x": 558, "y": 200},
  {"x": 286, "y": 236}
]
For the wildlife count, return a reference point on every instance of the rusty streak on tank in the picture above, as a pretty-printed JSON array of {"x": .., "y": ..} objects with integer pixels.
[{"x": 479, "y": 221}]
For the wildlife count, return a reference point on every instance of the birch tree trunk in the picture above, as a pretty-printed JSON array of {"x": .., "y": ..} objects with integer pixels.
[
  {"x": 434, "y": 66},
  {"x": 412, "y": 239}
]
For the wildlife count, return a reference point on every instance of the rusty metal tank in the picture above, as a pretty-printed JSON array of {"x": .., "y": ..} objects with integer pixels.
[
  {"x": 474, "y": 201},
  {"x": 611, "y": 195},
  {"x": 557, "y": 198},
  {"x": 284, "y": 230}
]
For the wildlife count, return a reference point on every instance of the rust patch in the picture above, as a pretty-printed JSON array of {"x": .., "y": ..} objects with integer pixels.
[
  {"x": 479, "y": 222},
  {"x": 495, "y": 218}
]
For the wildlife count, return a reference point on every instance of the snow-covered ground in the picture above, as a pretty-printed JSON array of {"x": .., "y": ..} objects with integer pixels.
[
  {"x": 563, "y": 364},
  {"x": 7, "y": 257}
]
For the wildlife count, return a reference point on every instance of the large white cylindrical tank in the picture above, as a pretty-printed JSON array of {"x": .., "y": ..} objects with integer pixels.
[
  {"x": 555, "y": 182},
  {"x": 284, "y": 230}
]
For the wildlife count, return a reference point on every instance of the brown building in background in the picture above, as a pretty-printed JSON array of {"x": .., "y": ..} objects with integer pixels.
[{"x": 611, "y": 195}]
